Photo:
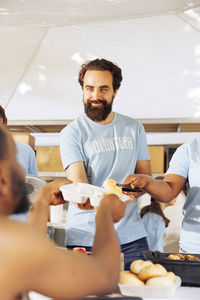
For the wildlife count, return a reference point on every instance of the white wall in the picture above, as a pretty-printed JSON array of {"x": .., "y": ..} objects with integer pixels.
[{"x": 159, "y": 56}]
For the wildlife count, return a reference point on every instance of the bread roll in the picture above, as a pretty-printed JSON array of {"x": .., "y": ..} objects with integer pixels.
[
  {"x": 110, "y": 186},
  {"x": 160, "y": 281},
  {"x": 177, "y": 256},
  {"x": 126, "y": 277},
  {"x": 172, "y": 276},
  {"x": 152, "y": 271},
  {"x": 138, "y": 264}
]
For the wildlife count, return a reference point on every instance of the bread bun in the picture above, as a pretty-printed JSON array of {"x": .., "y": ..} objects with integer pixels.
[
  {"x": 152, "y": 271},
  {"x": 110, "y": 186},
  {"x": 160, "y": 281},
  {"x": 177, "y": 256},
  {"x": 126, "y": 277},
  {"x": 172, "y": 276},
  {"x": 138, "y": 264}
]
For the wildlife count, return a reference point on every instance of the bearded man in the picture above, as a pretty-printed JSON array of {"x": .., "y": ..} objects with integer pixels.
[{"x": 102, "y": 144}]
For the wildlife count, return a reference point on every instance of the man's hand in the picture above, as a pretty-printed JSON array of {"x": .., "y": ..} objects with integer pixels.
[
  {"x": 112, "y": 203},
  {"x": 51, "y": 192},
  {"x": 85, "y": 206},
  {"x": 138, "y": 180}
]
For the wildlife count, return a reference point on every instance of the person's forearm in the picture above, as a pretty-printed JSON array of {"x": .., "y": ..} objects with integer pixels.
[
  {"x": 159, "y": 189},
  {"x": 107, "y": 247},
  {"x": 39, "y": 213}
]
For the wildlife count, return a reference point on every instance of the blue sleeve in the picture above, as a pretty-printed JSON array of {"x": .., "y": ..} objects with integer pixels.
[
  {"x": 179, "y": 163},
  {"x": 143, "y": 153},
  {"x": 32, "y": 165},
  {"x": 70, "y": 150},
  {"x": 155, "y": 228},
  {"x": 26, "y": 158}
]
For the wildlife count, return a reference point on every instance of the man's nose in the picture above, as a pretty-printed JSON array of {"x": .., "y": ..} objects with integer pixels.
[{"x": 96, "y": 94}]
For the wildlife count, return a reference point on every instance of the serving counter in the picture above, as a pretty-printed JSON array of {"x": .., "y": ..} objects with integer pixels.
[{"x": 182, "y": 292}]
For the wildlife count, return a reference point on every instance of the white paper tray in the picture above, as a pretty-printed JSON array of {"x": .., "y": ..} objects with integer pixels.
[
  {"x": 150, "y": 291},
  {"x": 80, "y": 192}
]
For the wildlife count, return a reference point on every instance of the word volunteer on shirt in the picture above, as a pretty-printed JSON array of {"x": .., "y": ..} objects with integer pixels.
[{"x": 109, "y": 144}]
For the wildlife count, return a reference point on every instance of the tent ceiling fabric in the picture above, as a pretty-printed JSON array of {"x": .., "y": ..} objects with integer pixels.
[{"x": 50, "y": 13}]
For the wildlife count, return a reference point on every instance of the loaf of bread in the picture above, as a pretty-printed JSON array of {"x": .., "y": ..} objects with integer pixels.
[
  {"x": 160, "y": 281},
  {"x": 110, "y": 186},
  {"x": 152, "y": 271},
  {"x": 126, "y": 277},
  {"x": 139, "y": 264}
]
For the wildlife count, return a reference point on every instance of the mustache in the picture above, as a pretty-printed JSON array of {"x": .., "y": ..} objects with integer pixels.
[{"x": 97, "y": 101}]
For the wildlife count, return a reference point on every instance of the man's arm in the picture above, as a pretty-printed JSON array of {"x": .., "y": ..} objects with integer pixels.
[
  {"x": 57, "y": 274},
  {"x": 143, "y": 167},
  {"x": 49, "y": 194},
  {"x": 164, "y": 190},
  {"x": 76, "y": 172}
]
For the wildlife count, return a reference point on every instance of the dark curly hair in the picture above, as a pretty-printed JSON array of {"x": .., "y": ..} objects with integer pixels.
[
  {"x": 3, "y": 143},
  {"x": 3, "y": 115},
  {"x": 102, "y": 65}
]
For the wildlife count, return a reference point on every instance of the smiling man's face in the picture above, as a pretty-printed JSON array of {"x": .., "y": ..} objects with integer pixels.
[{"x": 98, "y": 94}]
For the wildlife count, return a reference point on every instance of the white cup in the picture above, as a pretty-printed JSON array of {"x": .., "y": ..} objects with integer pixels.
[{"x": 56, "y": 213}]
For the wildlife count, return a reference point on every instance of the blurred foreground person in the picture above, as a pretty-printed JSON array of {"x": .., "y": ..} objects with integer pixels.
[{"x": 32, "y": 262}]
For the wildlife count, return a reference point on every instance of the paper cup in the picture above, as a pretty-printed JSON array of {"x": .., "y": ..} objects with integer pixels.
[{"x": 56, "y": 213}]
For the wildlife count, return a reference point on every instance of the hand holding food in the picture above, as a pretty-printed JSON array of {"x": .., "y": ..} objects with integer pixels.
[
  {"x": 50, "y": 193},
  {"x": 138, "y": 180}
]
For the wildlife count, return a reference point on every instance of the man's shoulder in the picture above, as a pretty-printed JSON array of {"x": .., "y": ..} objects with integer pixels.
[
  {"x": 23, "y": 147},
  {"x": 127, "y": 119},
  {"x": 73, "y": 124},
  {"x": 18, "y": 232}
]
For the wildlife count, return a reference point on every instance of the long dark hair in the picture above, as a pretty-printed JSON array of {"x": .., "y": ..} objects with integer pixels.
[{"x": 154, "y": 207}]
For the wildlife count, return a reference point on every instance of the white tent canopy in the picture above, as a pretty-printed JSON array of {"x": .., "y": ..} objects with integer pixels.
[{"x": 44, "y": 42}]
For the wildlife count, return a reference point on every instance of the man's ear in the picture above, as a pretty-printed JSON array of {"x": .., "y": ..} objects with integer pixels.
[
  {"x": 115, "y": 92},
  {"x": 6, "y": 201},
  {"x": 4, "y": 179}
]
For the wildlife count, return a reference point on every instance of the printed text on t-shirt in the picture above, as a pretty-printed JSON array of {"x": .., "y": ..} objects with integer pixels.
[{"x": 109, "y": 144}]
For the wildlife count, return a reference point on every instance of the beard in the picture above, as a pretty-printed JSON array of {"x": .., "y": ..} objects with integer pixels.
[
  {"x": 19, "y": 191},
  {"x": 98, "y": 114}
]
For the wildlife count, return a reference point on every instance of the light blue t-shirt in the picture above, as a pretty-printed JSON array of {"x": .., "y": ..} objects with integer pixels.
[
  {"x": 186, "y": 163},
  {"x": 155, "y": 228},
  {"x": 108, "y": 151},
  {"x": 26, "y": 158}
]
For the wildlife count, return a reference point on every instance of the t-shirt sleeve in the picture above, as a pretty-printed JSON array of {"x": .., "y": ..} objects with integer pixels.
[
  {"x": 70, "y": 147},
  {"x": 143, "y": 153},
  {"x": 32, "y": 165},
  {"x": 179, "y": 164}
]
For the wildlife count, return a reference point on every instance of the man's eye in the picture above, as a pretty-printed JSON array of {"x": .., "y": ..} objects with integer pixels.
[
  {"x": 89, "y": 89},
  {"x": 104, "y": 90}
]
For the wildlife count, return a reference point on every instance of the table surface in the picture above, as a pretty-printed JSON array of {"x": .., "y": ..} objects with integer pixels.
[{"x": 182, "y": 292}]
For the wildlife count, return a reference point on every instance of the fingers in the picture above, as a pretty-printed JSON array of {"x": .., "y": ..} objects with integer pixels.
[
  {"x": 131, "y": 180},
  {"x": 85, "y": 206},
  {"x": 115, "y": 205}
]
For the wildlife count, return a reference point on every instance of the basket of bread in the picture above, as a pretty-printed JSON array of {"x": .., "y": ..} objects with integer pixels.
[
  {"x": 145, "y": 279},
  {"x": 187, "y": 266}
]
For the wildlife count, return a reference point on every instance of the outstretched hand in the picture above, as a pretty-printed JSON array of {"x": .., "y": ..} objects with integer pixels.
[
  {"x": 85, "y": 206},
  {"x": 51, "y": 191},
  {"x": 112, "y": 203},
  {"x": 138, "y": 180}
]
